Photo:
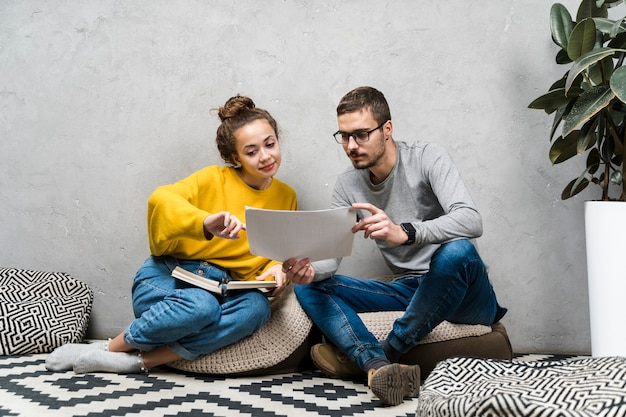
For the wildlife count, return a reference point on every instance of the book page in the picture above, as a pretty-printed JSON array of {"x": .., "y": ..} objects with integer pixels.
[
  {"x": 248, "y": 285},
  {"x": 314, "y": 234},
  {"x": 197, "y": 280},
  {"x": 218, "y": 287}
]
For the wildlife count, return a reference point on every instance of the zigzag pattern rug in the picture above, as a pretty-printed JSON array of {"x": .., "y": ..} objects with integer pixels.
[{"x": 27, "y": 389}]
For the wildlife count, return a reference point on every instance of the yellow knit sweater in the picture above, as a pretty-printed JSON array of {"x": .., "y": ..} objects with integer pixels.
[{"x": 176, "y": 214}]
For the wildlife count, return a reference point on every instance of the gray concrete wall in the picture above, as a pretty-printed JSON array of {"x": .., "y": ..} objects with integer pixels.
[{"x": 102, "y": 101}]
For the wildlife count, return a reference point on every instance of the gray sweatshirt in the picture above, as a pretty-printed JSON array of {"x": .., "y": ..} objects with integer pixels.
[{"x": 424, "y": 189}]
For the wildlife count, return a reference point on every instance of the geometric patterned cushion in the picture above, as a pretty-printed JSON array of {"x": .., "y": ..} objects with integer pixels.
[
  {"x": 274, "y": 348},
  {"x": 466, "y": 386},
  {"x": 40, "y": 311}
]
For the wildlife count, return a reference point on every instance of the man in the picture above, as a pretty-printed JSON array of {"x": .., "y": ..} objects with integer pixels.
[{"x": 412, "y": 201}]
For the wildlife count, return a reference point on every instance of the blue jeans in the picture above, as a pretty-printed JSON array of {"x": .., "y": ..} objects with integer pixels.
[
  {"x": 456, "y": 289},
  {"x": 189, "y": 320}
]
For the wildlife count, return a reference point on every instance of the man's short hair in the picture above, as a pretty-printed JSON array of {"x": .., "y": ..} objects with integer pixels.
[{"x": 365, "y": 98}]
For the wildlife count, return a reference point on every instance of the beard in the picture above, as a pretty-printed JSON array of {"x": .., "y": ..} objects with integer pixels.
[
  {"x": 369, "y": 161},
  {"x": 364, "y": 164}
]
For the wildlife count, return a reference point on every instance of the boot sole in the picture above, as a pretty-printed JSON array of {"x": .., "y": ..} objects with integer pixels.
[{"x": 393, "y": 383}]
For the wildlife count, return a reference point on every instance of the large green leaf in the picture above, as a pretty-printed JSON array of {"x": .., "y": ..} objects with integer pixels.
[
  {"x": 562, "y": 58},
  {"x": 589, "y": 8},
  {"x": 558, "y": 118},
  {"x": 593, "y": 161},
  {"x": 608, "y": 26},
  {"x": 587, "y": 136},
  {"x": 618, "y": 42},
  {"x": 583, "y": 62},
  {"x": 618, "y": 83},
  {"x": 570, "y": 191},
  {"x": 561, "y": 24},
  {"x": 617, "y": 178},
  {"x": 580, "y": 183},
  {"x": 551, "y": 101},
  {"x": 599, "y": 72},
  {"x": 560, "y": 83},
  {"x": 587, "y": 105},
  {"x": 564, "y": 148},
  {"x": 582, "y": 39}
]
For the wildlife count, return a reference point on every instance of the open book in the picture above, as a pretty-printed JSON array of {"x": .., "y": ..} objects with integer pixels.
[{"x": 219, "y": 287}]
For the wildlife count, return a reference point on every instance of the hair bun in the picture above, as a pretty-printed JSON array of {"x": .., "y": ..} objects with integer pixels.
[{"x": 234, "y": 106}]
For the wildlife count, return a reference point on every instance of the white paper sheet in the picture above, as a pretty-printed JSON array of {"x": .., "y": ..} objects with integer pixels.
[{"x": 314, "y": 234}]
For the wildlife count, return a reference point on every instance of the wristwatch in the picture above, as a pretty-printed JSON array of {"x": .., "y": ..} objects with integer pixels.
[{"x": 410, "y": 232}]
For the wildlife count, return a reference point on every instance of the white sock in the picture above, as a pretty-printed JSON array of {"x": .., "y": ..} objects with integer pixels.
[
  {"x": 63, "y": 357},
  {"x": 116, "y": 362}
]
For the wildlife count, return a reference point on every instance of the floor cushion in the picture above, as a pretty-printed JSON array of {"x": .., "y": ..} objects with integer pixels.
[
  {"x": 466, "y": 387},
  {"x": 282, "y": 345},
  {"x": 445, "y": 341},
  {"x": 40, "y": 311}
]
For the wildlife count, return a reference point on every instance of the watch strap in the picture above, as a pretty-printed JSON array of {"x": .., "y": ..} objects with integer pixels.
[{"x": 410, "y": 232}]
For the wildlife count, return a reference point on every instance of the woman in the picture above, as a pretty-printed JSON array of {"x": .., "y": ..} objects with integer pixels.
[{"x": 197, "y": 224}]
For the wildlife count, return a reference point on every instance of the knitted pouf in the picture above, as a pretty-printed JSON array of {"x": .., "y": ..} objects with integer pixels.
[
  {"x": 279, "y": 346},
  {"x": 445, "y": 341},
  {"x": 40, "y": 311},
  {"x": 381, "y": 323}
]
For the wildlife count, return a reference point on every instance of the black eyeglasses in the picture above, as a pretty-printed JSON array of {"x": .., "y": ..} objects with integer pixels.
[{"x": 359, "y": 136}]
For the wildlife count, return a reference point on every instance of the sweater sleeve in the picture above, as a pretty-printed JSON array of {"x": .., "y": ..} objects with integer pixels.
[
  {"x": 460, "y": 218},
  {"x": 172, "y": 214}
]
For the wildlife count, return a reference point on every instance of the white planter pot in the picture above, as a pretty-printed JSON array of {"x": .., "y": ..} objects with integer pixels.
[{"x": 605, "y": 233}]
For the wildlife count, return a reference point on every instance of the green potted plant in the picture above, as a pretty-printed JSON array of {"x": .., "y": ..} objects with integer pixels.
[{"x": 589, "y": 107}]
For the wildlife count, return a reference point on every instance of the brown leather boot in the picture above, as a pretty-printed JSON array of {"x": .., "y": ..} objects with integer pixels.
[{"x": 334, "y": 362}]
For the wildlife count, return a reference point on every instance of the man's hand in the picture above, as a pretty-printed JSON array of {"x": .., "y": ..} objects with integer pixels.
[
  {"x": 379, "y": 226},
  {"x": 224, "y": 225},
  {"x": 298, "y": 271}
]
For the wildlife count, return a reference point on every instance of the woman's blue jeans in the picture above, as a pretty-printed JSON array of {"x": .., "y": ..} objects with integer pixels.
[
  {"x": 456, "y": 289},
  {"x": 189, "y": 320}
]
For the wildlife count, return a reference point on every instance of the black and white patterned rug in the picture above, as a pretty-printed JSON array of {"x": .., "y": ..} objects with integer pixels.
[{"x": 27, "y": 389}]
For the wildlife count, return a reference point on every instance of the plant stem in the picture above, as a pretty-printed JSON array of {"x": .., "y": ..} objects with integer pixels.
[{"x": 603, "y": 135}]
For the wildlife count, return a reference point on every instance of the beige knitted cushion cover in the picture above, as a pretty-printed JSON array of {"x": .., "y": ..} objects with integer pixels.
[
  {"x": 287, "y": 329},
  {"x": 381, "y": 323}
]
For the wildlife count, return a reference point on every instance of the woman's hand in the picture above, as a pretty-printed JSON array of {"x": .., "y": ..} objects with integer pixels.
[
  {"x": 279, "y": 276},
  {"x": 298, "y": 271},
  {"x": 224, "y": 225}
]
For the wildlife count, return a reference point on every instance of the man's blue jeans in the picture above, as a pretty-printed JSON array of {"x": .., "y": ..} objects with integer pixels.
[
  {"x": 187, "y": 319},
  {"x": 456, "y": 289}
]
